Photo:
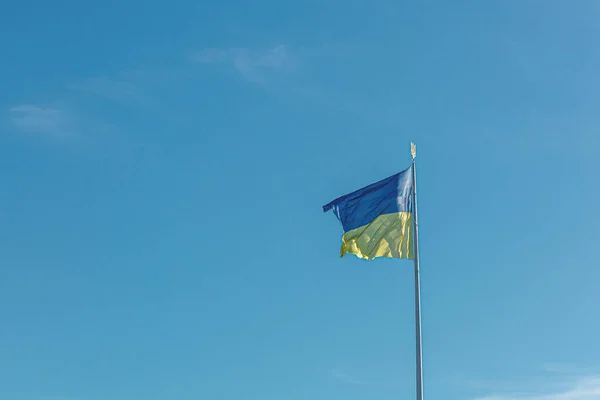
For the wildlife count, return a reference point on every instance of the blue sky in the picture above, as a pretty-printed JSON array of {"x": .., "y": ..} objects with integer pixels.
[{"x": 162, "y": 172}]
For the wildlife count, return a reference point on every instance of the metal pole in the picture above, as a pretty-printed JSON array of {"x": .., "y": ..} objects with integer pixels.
[{"x": 419, "y": 352}]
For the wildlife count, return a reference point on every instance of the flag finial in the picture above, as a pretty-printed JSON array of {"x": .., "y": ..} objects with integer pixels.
[{"x": 413, "y": 150}]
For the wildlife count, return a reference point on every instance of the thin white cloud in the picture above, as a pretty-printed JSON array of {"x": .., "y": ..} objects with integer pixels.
[
  {"x": 54, "y": 398},
  {"x": 348, "y": 379},
  {"x": 582, "y": 388},
  {"x": 37, "y": 119},
  {"x": 253, "y": 65},
  {"x": 61, "y": 125},
  {"x": 341, "y": 376},
  {"x": 215, "y": 55},
  {"x": 567, "y": 369},
  {"x": 112, "y": 89}
]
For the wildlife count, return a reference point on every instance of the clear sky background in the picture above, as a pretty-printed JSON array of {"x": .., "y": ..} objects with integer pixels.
[{"x": 163, "y": 167}]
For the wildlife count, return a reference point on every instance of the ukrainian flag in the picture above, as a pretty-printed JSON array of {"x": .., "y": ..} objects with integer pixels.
[{"x": 378, "y": 219}]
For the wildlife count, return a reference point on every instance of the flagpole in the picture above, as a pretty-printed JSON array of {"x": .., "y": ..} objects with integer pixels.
[{"x": 419, "y": 352}]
